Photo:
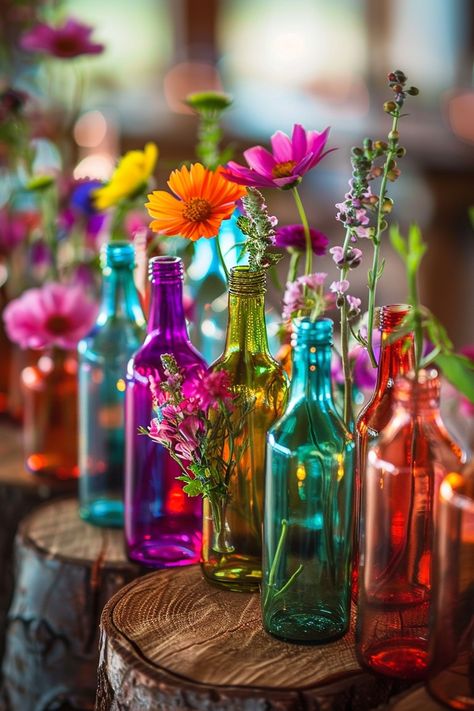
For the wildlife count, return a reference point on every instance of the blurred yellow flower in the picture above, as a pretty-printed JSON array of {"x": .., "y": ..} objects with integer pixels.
[{"x": 129, "y": 178}]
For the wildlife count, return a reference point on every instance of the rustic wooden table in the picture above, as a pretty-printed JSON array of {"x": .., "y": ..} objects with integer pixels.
[{"x": 172, "y": 641}]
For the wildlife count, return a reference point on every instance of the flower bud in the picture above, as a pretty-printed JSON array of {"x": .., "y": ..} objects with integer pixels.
[
  {"x": 397, "y": 88},
  {"x": 413, "y": 91},
  {"x": 380, "y": 146},
  {"x": 387, "y": 206},
  {"x": 389, "y": 106},
  {"x": 356, "y": 151},
  {"x": 401, "y": 152},
  {"x": 340, "y": 301},
  {"x": 394, "y": 174},
  {"x": 400, "y": 76},
  {"x": 394, "y": 135},
  {"x": 392, "y": 77}
]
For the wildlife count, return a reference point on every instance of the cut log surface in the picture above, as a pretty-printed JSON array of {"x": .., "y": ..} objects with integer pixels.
[
  {"x": 171, "y": 641},
  {"x": 415, "y": 700},
  {"x": 66, "y": 572},
  {"x": 20, "y": 493}
]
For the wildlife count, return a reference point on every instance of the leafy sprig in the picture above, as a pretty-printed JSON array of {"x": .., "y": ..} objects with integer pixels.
[{"x": 258, "y": 226}]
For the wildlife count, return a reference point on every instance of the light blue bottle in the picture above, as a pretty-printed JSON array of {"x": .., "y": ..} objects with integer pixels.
[{"x": 103, "y": 357}]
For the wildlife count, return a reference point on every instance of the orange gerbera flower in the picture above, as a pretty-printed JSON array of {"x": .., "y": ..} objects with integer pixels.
[{"x": 202, "y": 200}]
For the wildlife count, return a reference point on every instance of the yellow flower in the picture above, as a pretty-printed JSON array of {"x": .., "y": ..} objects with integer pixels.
[{"x": 129, "y": 177}]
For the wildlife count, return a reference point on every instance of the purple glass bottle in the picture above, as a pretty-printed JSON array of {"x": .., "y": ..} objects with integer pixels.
[{"x": 162, "y": 524}]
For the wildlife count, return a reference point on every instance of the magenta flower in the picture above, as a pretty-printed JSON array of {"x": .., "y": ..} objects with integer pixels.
[
  {"x": 285, "y": 166},
  {"x": 54, "y": 315},
  {"x": 14, "y": 228},
  {"x": 68, "y": 41},
  {"x": 293, "y": 237},
  {"x": 210, "y": 388}
]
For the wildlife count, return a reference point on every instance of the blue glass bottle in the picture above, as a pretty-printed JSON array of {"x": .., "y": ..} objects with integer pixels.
[
  {"x": 103, "y": 357},
  {"x": 308, "y": 502}
]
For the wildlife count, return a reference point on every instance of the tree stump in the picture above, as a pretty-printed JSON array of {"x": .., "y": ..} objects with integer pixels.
[
  {"x": 66, "y": 570},
  {"x": 20, "y": 493},
  {"x": 171, "y": 641}
]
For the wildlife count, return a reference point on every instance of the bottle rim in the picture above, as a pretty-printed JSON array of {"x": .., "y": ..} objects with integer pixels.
[
  {"x": 166, "y": 268},
  {"x": 244, "y": 281},
  {"x": 117, "y": 254},
  {"x": 308, "y": 332},
  {"x": 390, "y": 316}
]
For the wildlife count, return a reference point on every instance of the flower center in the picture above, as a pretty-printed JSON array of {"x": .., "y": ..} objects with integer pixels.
[
  {"x": 197, "y": 210},
  {"x": 57, "y": 324},
  {"x": 283, "y": 170}
]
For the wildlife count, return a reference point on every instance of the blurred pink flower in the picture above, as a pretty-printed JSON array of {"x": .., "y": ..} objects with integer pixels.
[
  {"x": 53, "y": 315},
  {"x": 296, "y": 297},
  {"x": 70, "y": 40},
  {"x": 285, "y": 166},
  {"x": 14, "y": 228},
  {"x": 339, "y": 287},
  {"x": 208, "y": 388},
  {"x": 293, "y": 237}
]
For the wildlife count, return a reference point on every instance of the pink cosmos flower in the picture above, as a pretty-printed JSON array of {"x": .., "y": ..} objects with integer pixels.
[
  {"x": 285, "y": 166},
  {"x": 70, "y": 40},
  {"x": 54, "y": 315},
  {"x": 293, "y": 237},
  {"x": 208, "y": 388}
]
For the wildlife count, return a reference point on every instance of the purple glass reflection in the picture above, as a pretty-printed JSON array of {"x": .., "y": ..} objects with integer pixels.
[{"x": 162, "y": 524}]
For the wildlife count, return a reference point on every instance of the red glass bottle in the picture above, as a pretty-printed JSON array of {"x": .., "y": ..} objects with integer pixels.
[
  {"x": 397, "y": 357},
  {"x": 405, "y": 467}
]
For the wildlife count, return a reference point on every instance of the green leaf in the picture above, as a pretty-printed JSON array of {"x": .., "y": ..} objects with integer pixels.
[
  {"x": 459, "y": 370},
  {"x": 208, "y": 101},
  {"x": 380, "y": 269},
  {"x": 437, "y": 332},
  {"x": 193, "y": 487},
  {"x": 416, "y": 248},
  {"x": 398, "y": 242}
]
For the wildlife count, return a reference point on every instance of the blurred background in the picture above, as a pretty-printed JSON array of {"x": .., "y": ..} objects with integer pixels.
[{"x": 314, "y": 62}]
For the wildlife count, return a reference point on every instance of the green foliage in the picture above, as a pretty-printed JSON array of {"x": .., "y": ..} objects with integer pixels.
[
  {"x": 258, "y": 227},
  {"x": 209, "y": 107},
  {"x": 459, "y": 370}
]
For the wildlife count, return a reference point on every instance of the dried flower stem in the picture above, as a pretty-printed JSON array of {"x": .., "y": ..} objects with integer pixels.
[{"x": 348, "y": 414}]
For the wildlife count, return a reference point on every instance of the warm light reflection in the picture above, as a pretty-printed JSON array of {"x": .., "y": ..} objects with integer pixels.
[
  {"x": 461, "y": 115},
  {"x": 188, "y": 77},
  {"x": 96, "y": 165},
  {"x": 90, "y": 129}
]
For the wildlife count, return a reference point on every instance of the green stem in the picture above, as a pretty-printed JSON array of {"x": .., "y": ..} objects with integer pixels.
[
  {"x": 307, "y": 235},
  {"x": 276, "y": 558},
  {"x": 376, "y": 242},
  {"x": 418, "y": 326},
  {"x": 221, "y": 257},
  {"x": 345, "y": 331},
  {"x": 293, "y": 268}
]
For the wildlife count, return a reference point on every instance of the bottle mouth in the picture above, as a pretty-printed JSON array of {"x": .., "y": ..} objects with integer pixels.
[
  {"x": 307, "y": 332},
  {"x": 390, "y": 317},
  {"x": 245, "y": 282},
  {"x": 117, "y": 254},
  {"x": 165, "y": 269},
  {"x": 421, "y": 391}
]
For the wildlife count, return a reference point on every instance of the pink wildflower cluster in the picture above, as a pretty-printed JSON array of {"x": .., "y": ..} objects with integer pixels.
[
  {"x": 305, "y": 297},
  {"x": 67, "y": 41}
]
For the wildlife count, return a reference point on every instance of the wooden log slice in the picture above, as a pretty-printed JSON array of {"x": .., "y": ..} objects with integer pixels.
[
  {"x": 66, "y": 572},
  {"x": 20, "y": 493},
  {"x": 171, "y": 641}
]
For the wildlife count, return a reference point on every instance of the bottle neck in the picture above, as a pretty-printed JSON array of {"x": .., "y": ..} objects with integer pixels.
[
  {"x": 396, "y": 358},
  {"x": 311, "y": 375},
  {"x": 119, "y": 296},
  {"x": 419, "y": 396},
  {"x": 246, "y": 327},
  {"x": 166, "y": 316}
]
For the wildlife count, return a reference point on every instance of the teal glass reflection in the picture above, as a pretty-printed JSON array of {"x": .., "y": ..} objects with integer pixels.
[
  {"x": 103, "y": 357},
  {"x": 308, "y": 501}
]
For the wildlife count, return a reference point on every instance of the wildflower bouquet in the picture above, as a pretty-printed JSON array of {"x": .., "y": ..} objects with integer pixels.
[{"x": 193, "y": 422}]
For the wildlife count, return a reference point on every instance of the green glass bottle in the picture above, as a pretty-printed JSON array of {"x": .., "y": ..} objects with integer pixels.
[
  {"x": 308, "y": 502},
  {"x": 232, "y": 546}
]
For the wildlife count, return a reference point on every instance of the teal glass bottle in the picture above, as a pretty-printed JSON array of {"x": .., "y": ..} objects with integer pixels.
[
  {"x": 308, "y": 501},
  {"x": 103, "y": 357}
]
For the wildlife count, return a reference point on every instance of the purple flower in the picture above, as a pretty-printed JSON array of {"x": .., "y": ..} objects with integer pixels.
[
  {"x": 295, "y": 298},
  {"x": 285, "y": 166},
  {"x": 293, "y": 237},
  {"x": 354, "y": 306},
  {"x": 351, "y": 259},
  {"x": 209, "y": 388},
  {"x": 68, "y": 41},
  {"x": 81, "y": 197},
  {"x": 339, "y": 287}
]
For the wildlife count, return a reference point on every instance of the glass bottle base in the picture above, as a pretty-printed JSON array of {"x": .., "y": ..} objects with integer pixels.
[
  {"x": 318, "y": 626},
  {"x": 169, "y": 552},
  {"x": 103, "y": 512},
  {"x": 403, "y": 658},
  {"x": 234, "y": 573}
]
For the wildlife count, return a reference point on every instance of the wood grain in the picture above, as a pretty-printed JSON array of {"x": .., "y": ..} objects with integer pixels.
[
  {"x": 171, "y": 641},
  {"x": 66, "y": 572},
  {"x": 20, "y": 493}
]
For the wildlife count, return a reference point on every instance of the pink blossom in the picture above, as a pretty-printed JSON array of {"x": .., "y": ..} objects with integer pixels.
[
  {"x": 14, "y": 228},
  {"x": 363, "y": 232},
  {"x": 53, "y": 315},
  {"x": 339, "y": 287},
  {"x": 352, "y": 257},
  {"x": 70, "y": 40},
  {"x": 293, "y": 237},
  {"x": 211, "y": 387},
  {"x": 285, "y": 166},
  {"x": 295, "y": 298},
  {"x": 187, "y": 437},
  {"x": 354, "y": 305}
]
